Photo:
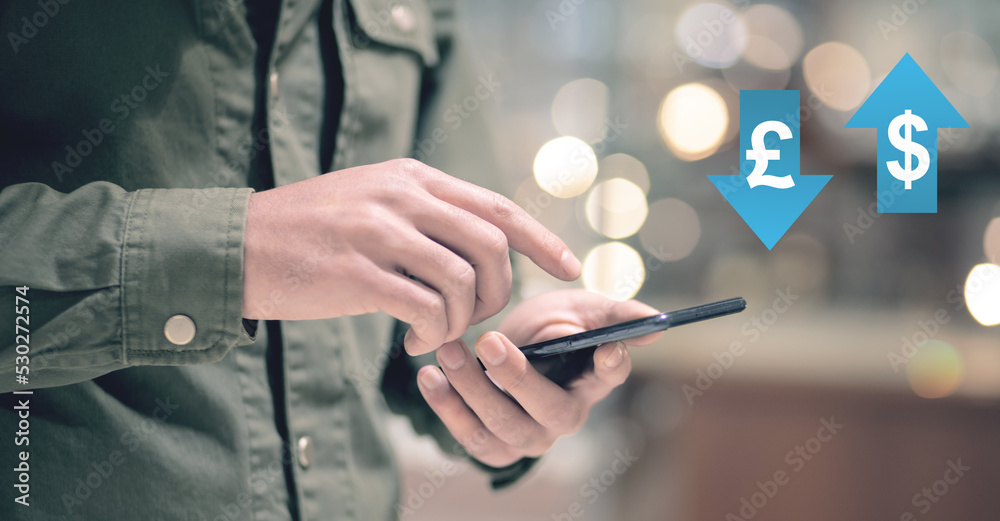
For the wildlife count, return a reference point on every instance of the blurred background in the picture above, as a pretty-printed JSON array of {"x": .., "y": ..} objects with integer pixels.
[{"x": 863, "y": 381}]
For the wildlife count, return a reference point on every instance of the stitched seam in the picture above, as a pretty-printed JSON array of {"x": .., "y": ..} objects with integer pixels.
[
  {"x": 350, "y": 105},
  {"x": 123, "y": 273}
]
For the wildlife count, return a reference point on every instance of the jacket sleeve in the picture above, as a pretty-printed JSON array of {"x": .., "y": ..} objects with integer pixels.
[{"x": 105, "y": 270}]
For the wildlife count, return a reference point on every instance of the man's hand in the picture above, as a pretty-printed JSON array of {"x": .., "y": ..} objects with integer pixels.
[
  {"x": 498, "y": 429},
  {"x": 347, "y": 243}
]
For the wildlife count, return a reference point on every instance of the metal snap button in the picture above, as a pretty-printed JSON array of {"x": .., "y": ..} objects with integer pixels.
[{"x": 179, "y": 329}]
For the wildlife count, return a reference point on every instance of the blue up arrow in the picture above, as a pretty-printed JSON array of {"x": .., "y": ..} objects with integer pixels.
[
  {"x": 907, "y": 109},
  {"x": 769, "y": 193}
]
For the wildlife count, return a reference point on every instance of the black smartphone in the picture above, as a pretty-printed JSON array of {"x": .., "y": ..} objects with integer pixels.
[{"x": 563, "y": 359}]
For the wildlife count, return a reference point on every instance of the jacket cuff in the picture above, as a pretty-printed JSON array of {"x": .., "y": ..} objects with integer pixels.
[{"x": 182, "y": 276}]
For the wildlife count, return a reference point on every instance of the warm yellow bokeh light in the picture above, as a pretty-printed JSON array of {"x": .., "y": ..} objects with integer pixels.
[
  {"x": 982, "y": 294},
  {"x": 693, "y": 120},
  {"x": 565, "y": 167},
  {"x": 935, "y": 370},
  {"x": 614, "y": 270},
  {"x": 625, "y": 167},
  {"x": 672, "y": 230},
  {"x": 616, "y": 208},
  {"x": 580, "y": 109},
  {"x": 775, "y": 37},
  {"x": 838, "y": 75}
]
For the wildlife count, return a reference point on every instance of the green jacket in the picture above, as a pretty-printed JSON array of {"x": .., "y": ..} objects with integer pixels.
[{"x": 129, "y": 151}]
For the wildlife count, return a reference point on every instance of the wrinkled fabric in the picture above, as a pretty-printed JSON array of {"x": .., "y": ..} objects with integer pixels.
[{"x": 128, "y": 153}]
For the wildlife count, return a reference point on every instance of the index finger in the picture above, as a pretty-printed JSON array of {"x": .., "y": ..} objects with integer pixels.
[{"x": 524, "y": 234}]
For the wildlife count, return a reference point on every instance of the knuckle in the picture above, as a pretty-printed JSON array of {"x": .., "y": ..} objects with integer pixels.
[
  {"x": 491, "y": 306},
  {"x": 515, "y": 436},
  {"x": 518, "y": 377},
  {"x": 502, "y": 208},
  {"x": 565, "y": 420},
  {"x": 427, "y": 309},
  {"x": 432, "y": 307},
  {"x": 408, "y": 166},
  {"x": 483, "y": 446},
  {"x": 465, "y": 276},
  {"x": 496, "y": 241}
]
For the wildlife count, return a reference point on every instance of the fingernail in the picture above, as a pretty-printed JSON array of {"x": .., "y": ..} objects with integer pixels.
[
  {"x": 570, "y": 264},
  {"x": 615, "y": 358},
  {"x": 431, "y": 378},
  {"x": 452, "y": 355},
  {"x": 492, "y": 350}
]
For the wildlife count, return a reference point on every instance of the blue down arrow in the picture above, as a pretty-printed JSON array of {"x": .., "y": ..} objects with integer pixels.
[{"x": 776, "y": 194}]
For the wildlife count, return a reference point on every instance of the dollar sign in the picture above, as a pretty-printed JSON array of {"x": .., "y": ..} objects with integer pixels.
[
  {"x": 904, "y": 142},
  {"x": 760, "y": 154}
]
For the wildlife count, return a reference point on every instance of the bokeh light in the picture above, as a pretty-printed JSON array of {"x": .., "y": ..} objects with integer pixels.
[
  {"x": 625, "y": 167},
  {"x": 982, "y": 293},
  {"x": 614, "y": 270},
  {"x": 981, "y": 365},
  {"x": 693, "y": 120},
  {"x": 580, "y": 109},
  {"x": 616, "y": 208},
  {"x": 565, "y": 167},
  {"x": 775, "y": 37},
  {"x": 969, "y": 63},
  {"x": 672, "y": 230},
  {"x": 838, "y": 75},
  {"x": 711, "y": 34},
  {"x": 991, "y": 241},
  {"x": 935, "y": 370}
]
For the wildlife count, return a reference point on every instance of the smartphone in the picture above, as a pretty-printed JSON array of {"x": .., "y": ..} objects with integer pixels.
[{"x": 563, "y": 359}]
